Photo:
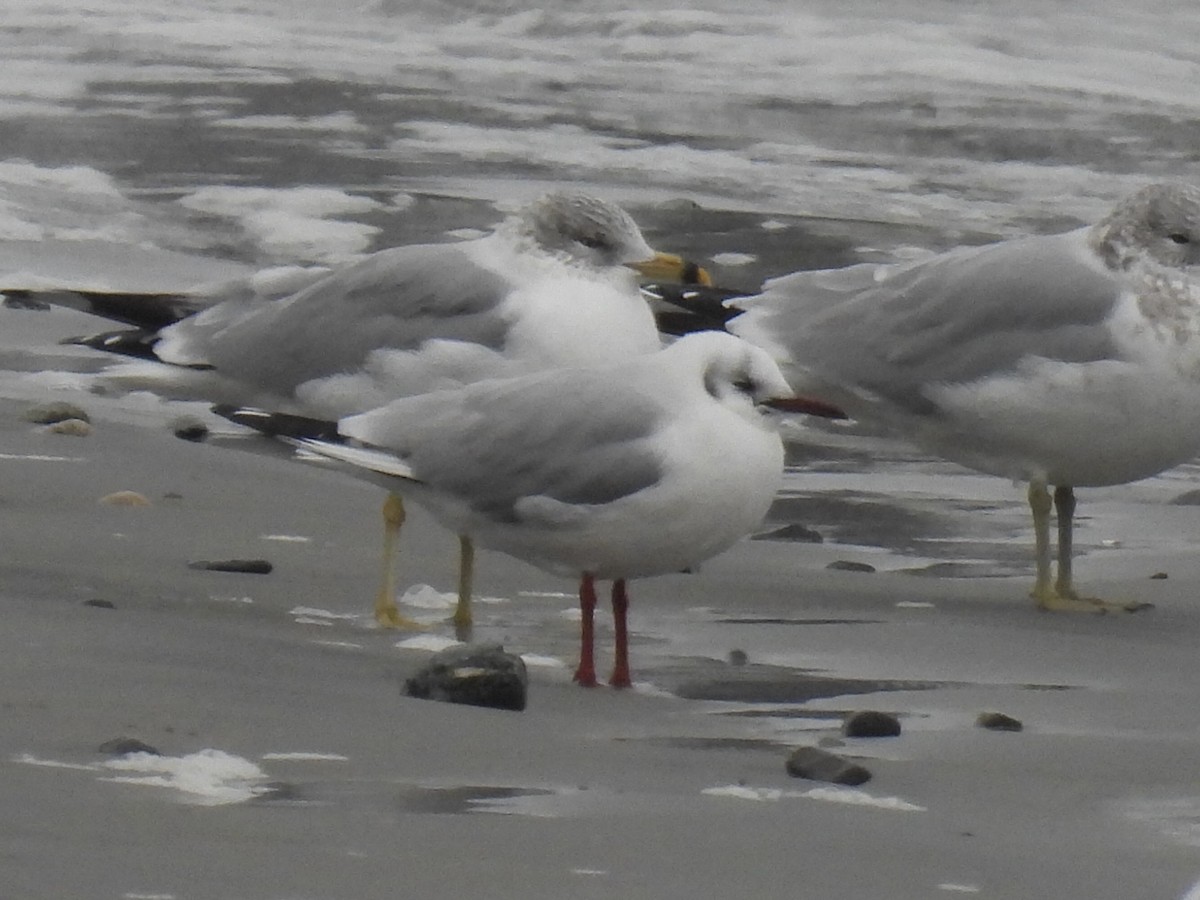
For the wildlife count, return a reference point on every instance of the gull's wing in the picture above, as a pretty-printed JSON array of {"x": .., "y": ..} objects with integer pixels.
[
  {"x": 395, "y": 298},
  {"x": 572, "y": 436},
  {"x": 898, "y": 333}
]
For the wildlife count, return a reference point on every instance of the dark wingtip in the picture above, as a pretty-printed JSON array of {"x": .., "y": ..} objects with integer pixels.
[
  {"x": 809, "y": 406},
  {"x": 138, "y": 343},
  {"x": 276, "y": 424}
]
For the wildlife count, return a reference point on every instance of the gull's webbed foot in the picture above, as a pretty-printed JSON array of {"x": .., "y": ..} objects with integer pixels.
[{"x": 1051, "y": 599}]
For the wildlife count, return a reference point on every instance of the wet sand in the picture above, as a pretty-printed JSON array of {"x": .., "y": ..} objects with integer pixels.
[{"x": 676, "y": 789}]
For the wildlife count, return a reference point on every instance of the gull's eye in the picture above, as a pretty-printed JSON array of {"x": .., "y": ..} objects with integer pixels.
[
  {"x": 745, "y": 386},
  {"x": 594, "y": 242},
  {"x": 1179, "y": 237}
]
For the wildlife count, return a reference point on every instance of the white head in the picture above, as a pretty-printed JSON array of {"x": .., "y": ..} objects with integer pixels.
[{"x": 733, "y": 372}]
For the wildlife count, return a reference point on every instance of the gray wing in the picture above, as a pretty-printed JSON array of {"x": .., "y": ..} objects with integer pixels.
[
  {"x": 393, "y": 299},
  {"x": 566, "y": 435},
  {"x": 951, "y": 319}
]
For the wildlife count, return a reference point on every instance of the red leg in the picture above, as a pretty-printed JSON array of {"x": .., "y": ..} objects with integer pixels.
[
  {"x": 620, "y": 605},
  {"x": 586, "y": 673}
]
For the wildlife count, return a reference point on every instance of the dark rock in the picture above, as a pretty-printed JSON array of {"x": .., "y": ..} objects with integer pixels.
[
  {"x": 100, "y": 604},
  {"x": 246, "y": 566},
  {"x": 125, "y": 745},
  {"x": 23, "y": 299},
  {"x": 997, "y": 721},
  {"x": 1159, "y": 576},
  {"x": 58, "y": 411},
  {"x": 849, "y": 565},
  {"x": 794, "y": 531},
  {"x": 474, "y": 674},
  {"x": 189, "y": 428},
  {"x": 738, "y": 657},
  {"x": 870, "y": 723},
  {"x": 821, "y": 765}
]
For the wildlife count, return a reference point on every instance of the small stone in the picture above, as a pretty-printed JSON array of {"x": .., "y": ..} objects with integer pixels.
[
  {"x": 70, "y": 427},
  {"x": 474, "y": 674},
  {"x": 1159, "y": 576},
  {"x": 189, "y": 428},
  {"x": 997, "y": 721},
  {"x": 124, "y": 498},
  {"x": 849, "y": 565},
  {"x": 870, "y": 724},
  {"x": 738, "y": 657},
  {"x": 124, "y": 745},
  {"x": 244, "y": 566},
  {"x": 58, "y": 411},
  {"x": 100, "y": 604},
  {"x": 821, "y": 765}
]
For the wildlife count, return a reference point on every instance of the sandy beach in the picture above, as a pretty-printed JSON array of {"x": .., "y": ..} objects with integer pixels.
[
  {"x": 155, "y": 146},
  {"x": 292, "y": 765}
]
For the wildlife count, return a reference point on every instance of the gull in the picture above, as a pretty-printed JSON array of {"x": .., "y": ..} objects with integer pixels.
[
  {"x": 1066, "y": 360},
  {"x": 554, "y": 284},
  {"x": 642, "y": 467}
]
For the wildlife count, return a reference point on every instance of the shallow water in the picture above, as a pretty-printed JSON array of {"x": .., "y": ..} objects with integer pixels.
[{"x": 969, "y": 119}]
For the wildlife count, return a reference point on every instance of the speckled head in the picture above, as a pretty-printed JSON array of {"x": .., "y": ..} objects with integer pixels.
[
  {"x": 586, "y": 229},
  {"x": 1159, "y": 223}
]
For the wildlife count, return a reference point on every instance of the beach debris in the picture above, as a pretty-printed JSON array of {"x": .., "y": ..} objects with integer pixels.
[
  {"x": 56, "y": 411},
  {"x": 816, "y": 764},
  {"x": 123, "y": 746},
  {"x": 473, "y": 674},
  {"x": 189, "y": 428},
  {"x": 70, "y": 427},
  {"x": 850, "y": 565},
  {"x": 99, "y": 603},
  {"x": 998, "y": 721},
  {"x": 871, "y": 723},
  {"x": 124, "y": 498},
  {"x": 243, "y": 566}
]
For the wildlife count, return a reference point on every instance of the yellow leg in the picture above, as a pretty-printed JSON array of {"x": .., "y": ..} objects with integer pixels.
[
  {"x": 1039, "y": 505},
  {"x": 386, "y": 612},
  {"x": 1062, "y": 596},
  {"x": 462, "y": 617}
]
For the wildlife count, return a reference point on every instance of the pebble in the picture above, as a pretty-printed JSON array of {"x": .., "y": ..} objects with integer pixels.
[
  {"x": 189, "y": 428},
  {"x": 473, "y": 674},
  {"x": 849, "y": 565},
  {"x": 245, "y": 566},
  {"x": 124, "y": 498},
  {"x": 58, "y": 411},
  {"x": 124, "y": 745},
  {"x": 870, "y": 724},
  {"x": 70, "y": 427},
  {"x": 821, "y": 765},
  {"x": 100, "y": 604},
  {"x": 997, "y": 721}
]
